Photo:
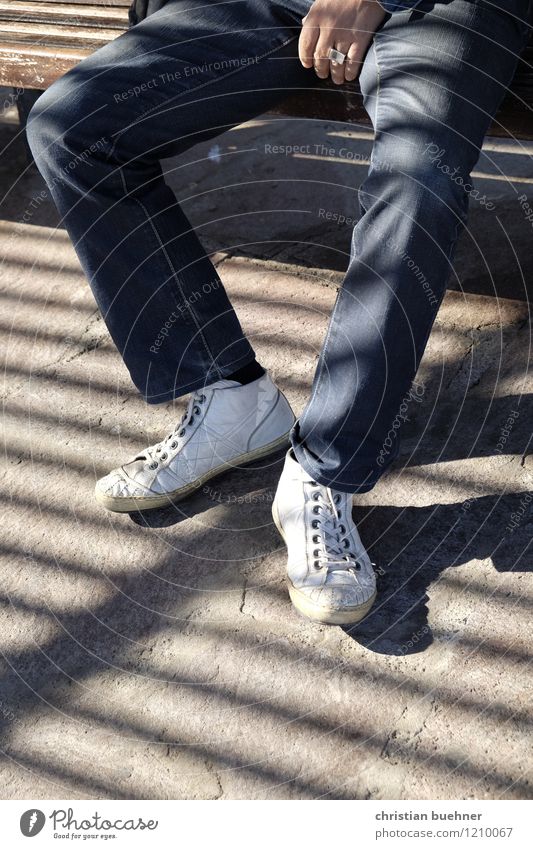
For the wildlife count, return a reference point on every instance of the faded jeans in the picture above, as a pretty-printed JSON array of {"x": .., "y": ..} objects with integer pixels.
[{"x": 431, "y": 80}]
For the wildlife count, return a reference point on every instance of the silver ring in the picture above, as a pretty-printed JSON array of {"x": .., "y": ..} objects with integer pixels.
[{"x": 336, "y": 56}]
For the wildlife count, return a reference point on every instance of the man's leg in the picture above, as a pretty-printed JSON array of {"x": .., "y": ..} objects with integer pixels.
[
  {"x": 184, "y": 74},
  {"x": 432, "y": 81}
]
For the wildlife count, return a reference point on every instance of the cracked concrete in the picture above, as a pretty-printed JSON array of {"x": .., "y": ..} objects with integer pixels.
[{"x": 159, "y": 657}]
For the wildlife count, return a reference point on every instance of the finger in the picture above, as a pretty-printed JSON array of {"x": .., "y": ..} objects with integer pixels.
[
  {"x": 354, "y": 61},
  {"x": 307, "y": 43},
  {"x": 337, "y": 69},
  {"x": 321, "y": 61}
]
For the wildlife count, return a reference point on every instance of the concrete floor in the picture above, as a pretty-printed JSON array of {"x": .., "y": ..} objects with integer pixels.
[{"x": 165, "y": 661}]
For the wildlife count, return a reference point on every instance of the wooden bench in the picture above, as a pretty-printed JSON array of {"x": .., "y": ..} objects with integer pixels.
[{"x": 40, "y": 40}]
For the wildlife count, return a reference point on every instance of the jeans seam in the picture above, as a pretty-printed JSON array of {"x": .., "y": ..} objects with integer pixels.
[
  {"x": 195, "y": 89},
  {"x": 175, "y": 275},
  {"x": 378, "y": 84}
]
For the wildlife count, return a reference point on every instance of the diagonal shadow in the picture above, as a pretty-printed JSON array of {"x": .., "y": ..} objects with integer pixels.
[{"x": 413, "y": 546}]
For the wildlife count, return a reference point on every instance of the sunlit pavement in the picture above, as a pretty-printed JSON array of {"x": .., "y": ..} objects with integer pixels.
[{"x": 160, "y": 657}]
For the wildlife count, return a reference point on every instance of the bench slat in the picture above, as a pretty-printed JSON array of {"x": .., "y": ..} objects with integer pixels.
[
  {"x": 29, "y": 66},
  {"x": 63, "y": 13},
  {"x": 104, "y": 3},
  {"x": 56, "y": 34}
]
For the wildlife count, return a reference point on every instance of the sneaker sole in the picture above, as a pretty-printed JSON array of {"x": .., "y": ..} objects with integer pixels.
[
  {"x": 324, "y": 615},
  {"x": 329, "y": 616},
  {"x": 132, "y": 504}
]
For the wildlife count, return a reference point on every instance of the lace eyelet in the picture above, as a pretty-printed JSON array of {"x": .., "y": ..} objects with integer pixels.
[
  {"x": 316, "y": 565},
  {"x": 173, "y": 445},
  {"x": 181, "y": 432},
  {"x": 316, "y": 509},
  {"x": 337, "y": 499},
  {"x": 342, "y": 529},
  {"x": 164, "y": 456},
  {"x": 201, "y": 398},
  {"x": 315, "y": 496},
  {"x": 316, "y": 552},
  {"x": 316, "y": 538},
  {"x": 357, "y": 566},
  {"x": 315, "y": 523},
  {"x": 196, "y": 410},
  {"x": 153, "y": 466},
  {"x": 346, "y": 543}
]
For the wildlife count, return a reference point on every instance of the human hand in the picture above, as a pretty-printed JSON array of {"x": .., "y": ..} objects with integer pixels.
[{"x": 345, "y": 25}]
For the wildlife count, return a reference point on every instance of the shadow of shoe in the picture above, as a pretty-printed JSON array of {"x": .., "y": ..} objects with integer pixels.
[
  {"x": 418, "y": 544},
  {"x": 161, "y": 517},
  {"x": 398, "y": 623}
]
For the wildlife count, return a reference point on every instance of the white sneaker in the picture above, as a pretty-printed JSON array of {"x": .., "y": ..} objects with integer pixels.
[
  {"x": 331, "y": 579},
  {"x": 226, "y": 425}
]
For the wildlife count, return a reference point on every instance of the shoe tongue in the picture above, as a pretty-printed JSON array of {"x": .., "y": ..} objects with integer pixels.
[
  {"x": 339, "y": 577},
  {"x": 297, "y": 470}
]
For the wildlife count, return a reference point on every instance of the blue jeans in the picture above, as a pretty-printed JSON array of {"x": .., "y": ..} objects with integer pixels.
[{"x": 431, "y": 82}]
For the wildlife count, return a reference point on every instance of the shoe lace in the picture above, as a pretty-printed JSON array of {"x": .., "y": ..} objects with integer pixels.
[
  {"x": 332, "y": 538},
  {"x": 158, "y": 452}
]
